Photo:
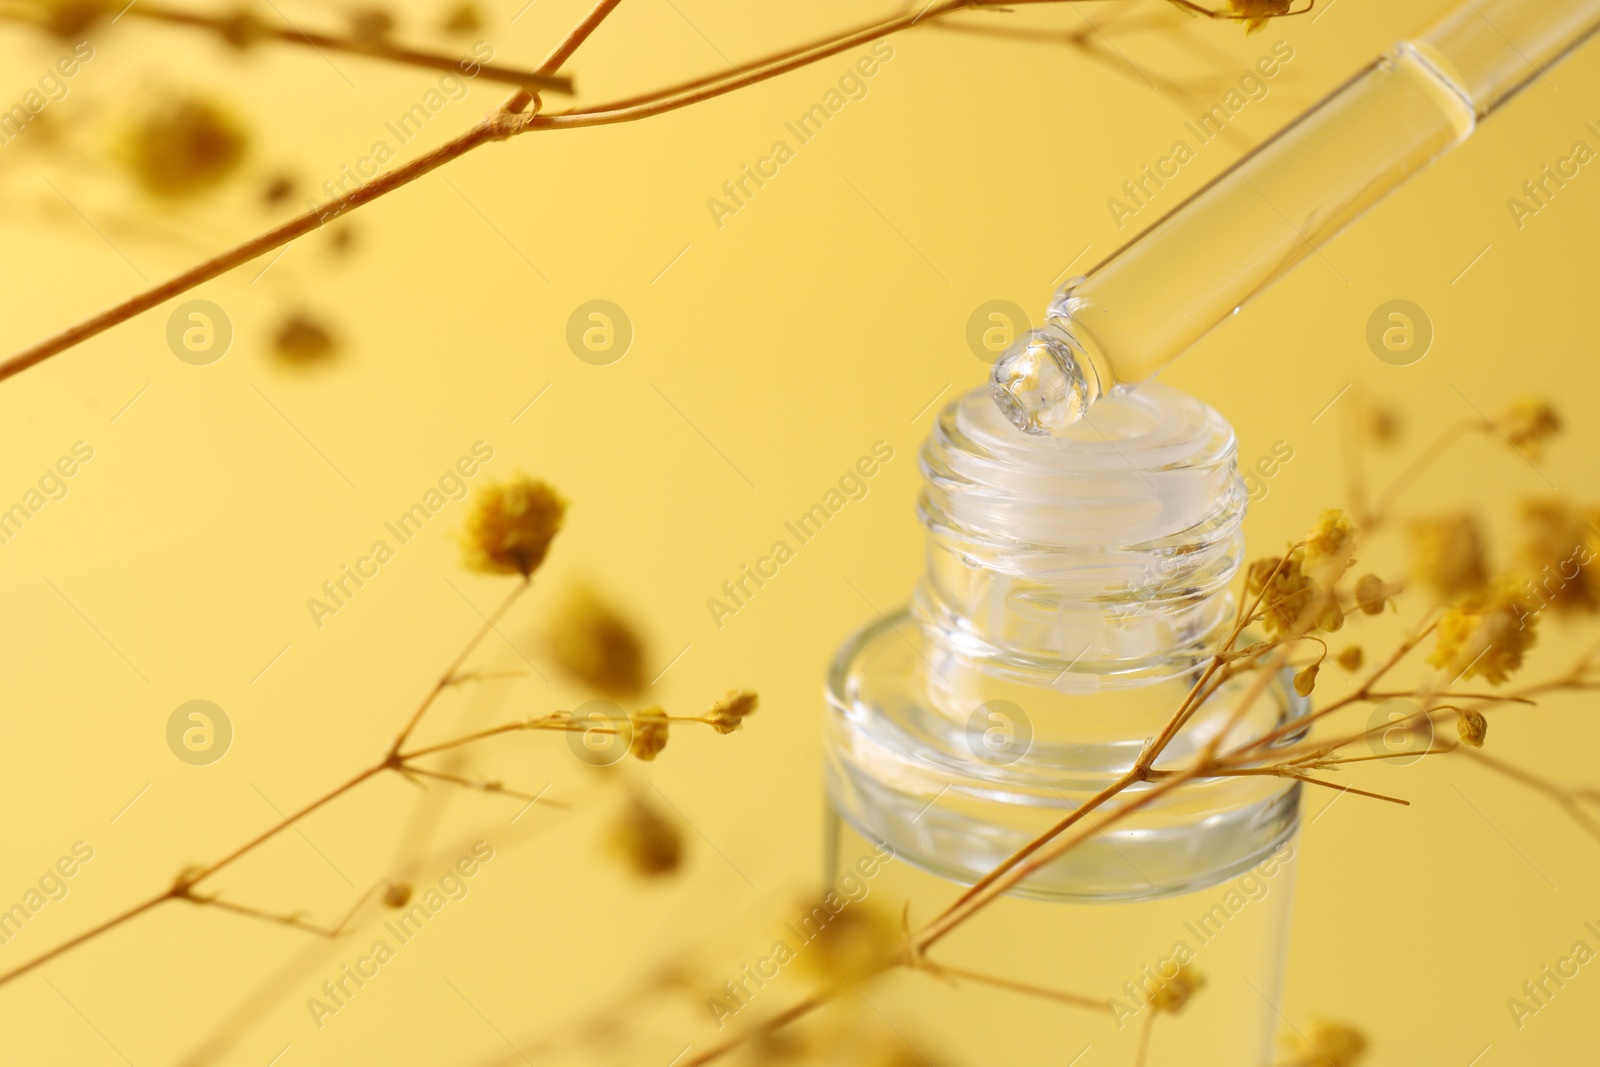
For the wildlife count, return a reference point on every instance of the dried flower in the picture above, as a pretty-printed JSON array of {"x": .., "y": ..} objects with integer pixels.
[
  {"x": 854, "y": 942},
  {"x": 182, "y": 146},
  {"x": 594, "y": 643},
  {"x": 1352, "y": 658},
  {"x": 649, "y": 733},
  {"x": 1486, "y": 634},
  {"x": 1561, "y": 554},
  {"x": 463, "y": 18},
  {"x": 279, "y": 188},
  {"x": 1373, "y": 593},
  {"x": 1329, "y": 548},
  {"x": 303, "y": 340},
  {"x": 1290, "y": 601},
  {"x": 1306, "y": 680},
  {"x": 1383, "y": 424},
  {"x": 1472, "y": 727},
  {"x": 512, "y": 525},
  {"x": 371, "y": 25},
  {"x": 1255, "y": 13},
  {"x": 397, "y": 895},
  {"x": 1175, "y": 993},
  {"x": 69, "y": 19},
  {"x": 644, "y": 839},
  {"x": 729, "y": 713},
  {"x": 1528, "y": 422},
  {"x": 241, "y": 28},
  {"x": 1335, "y": 1045},
  {"x": 1447, "y": 554}
]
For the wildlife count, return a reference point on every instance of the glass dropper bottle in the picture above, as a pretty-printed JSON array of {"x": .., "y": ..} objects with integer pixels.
[{"x": 1139, "y": 309}]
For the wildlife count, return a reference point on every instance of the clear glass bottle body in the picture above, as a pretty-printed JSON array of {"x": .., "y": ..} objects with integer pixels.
[{"x": 1075, "y": 587}]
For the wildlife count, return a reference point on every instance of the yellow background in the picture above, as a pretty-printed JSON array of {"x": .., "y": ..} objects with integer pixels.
[{"x": 823, "y": 317}]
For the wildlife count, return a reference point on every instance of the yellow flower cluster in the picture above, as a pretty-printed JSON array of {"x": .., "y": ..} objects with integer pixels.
[
  {"x": 512, "y": 525},
  {"x": 1297, "y": 590},
  {"x": 1486, "y": 635}
]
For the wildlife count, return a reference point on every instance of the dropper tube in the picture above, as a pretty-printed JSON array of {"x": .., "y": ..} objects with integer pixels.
[{"x": 1140, "y": 308}]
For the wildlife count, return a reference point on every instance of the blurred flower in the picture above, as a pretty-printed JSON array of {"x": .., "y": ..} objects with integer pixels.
[
  {"x": 1175, "y": 993},
  {"x": 1332, "y": 1045},
  {"x": 1486, "y": 634},
  {"x": 729, "y": 713},
  {"x": 1448, "y": 555},
  {"x": 183, "y": 145},
  {"x": 278, "y": 188},
  {"x": 1255, "y": 13},
  {"x": 397, "y": 895},
  {"x": 855, "y": 942},
  {"x": 343, "y": 236},
  {"x": 241, "y": 28},
  {"x": 1472, "y": 727},
  {"x": 1352, "y": 658},
  {"x": 69, "y": 19},
  {"x": 1373, "y": 593},
  {"x": 594, "y": 643},
  {"x": 463, "y": 18},
  {"x": 302, "y": 340},
  {"x": 1383, "y": 423},
  {"x": 371, "y": 25},
  {"x": 643, "y": 838},
  {"x": 649, "y": 733},
  {"x": 511, "y": 526},
  {"x": 1560, "y": 552},
  {"x": 1528, "y": 422}
]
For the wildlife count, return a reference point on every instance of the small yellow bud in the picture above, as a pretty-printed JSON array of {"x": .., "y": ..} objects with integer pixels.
[
  {"x": 1472, "y": 727},
  {"x": 1176, "y": 992},
  {"x": 649, "y": 734},
  {"x": 729, "y": 713},
  {"x": 1306, "y": 680},
  {"x": 1372, "y": 593}
]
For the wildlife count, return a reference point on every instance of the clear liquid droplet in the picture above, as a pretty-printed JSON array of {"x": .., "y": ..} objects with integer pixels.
[{"x": 1038, "y": 384}]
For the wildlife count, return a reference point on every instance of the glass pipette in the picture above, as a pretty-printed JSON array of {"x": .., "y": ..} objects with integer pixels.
[{"x": 1139, "y": 309}]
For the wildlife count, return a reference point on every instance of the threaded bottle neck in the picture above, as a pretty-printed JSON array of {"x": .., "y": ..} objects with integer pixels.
[{"x": 1095, "y": 559}]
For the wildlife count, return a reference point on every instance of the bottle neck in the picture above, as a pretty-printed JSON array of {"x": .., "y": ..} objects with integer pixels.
[{"x": 1097, "y": 559}]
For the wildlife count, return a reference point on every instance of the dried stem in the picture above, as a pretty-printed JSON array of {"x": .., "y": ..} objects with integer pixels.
[
  {"x": 247, "y": 28},
  {"x": 498, "y": 126},
  {"x": 1077, "y": 1000},
  {"x": 777, "y": 1022}
]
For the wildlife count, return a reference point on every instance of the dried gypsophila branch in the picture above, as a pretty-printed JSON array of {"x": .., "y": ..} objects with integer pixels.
[
  {"x": 510, "y": 531},
  {"x": 243, "y": 29},
  {"x": 510, "y": 121}
]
